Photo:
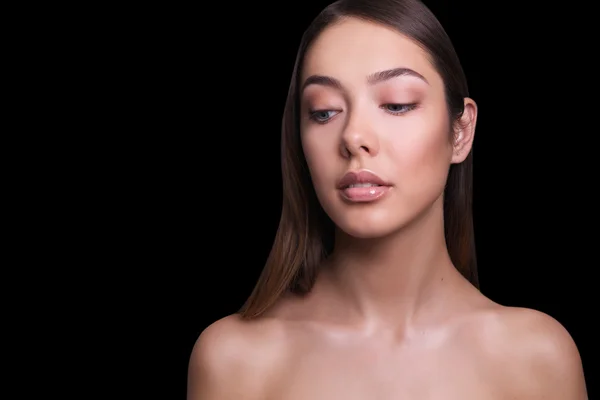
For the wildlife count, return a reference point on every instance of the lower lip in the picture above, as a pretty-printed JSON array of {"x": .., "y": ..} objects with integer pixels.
[{"x": 365, "y": 194}]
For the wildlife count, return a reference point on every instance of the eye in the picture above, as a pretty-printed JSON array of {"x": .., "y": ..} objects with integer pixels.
[
  {"x": 398, "y": 108},
  {"x": 321, "y": 116}
]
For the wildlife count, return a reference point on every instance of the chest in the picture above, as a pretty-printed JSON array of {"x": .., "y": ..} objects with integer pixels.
[{"x": 373, "y": 374}]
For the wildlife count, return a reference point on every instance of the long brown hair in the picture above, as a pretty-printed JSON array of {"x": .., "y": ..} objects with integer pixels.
[{"x": 305, "y": 234}]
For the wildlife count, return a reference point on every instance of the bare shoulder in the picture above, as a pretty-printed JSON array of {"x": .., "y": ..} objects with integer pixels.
[
  {"x": 232, "y": 358},
  {"x": 531, "y": 354}
]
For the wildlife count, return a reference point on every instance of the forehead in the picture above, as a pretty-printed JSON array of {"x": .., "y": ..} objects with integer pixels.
[{"x": 353, "y": 48}]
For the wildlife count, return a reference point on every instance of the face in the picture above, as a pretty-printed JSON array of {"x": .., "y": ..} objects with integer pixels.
[{"x": 373, "y": 110}]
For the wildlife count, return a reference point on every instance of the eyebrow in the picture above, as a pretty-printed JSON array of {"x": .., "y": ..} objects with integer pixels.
[{"x": 372, "y": 79}]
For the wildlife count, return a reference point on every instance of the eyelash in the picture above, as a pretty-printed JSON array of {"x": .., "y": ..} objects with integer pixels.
[{"x": 405, "y": 108}]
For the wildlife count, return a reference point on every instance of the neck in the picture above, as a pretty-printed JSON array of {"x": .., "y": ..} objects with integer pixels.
[{"x": 389, "y": 279}]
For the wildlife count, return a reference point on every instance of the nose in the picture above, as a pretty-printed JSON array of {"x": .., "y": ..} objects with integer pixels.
[{"x": 359, "y": 139}]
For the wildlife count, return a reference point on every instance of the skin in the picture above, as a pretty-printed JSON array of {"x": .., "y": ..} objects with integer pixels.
[{"x": 389, "y": 316}]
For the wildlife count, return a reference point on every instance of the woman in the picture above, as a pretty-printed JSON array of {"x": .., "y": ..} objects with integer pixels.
[{"x": 370, "y": 290}]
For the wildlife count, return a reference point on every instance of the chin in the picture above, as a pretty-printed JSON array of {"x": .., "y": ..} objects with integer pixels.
[
  {"x": 366, "y": 232},
  {"x": 370, "y": 224}
]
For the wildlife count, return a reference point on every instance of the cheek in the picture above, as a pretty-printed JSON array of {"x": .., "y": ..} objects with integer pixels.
[{"x": 423, "y": 154}]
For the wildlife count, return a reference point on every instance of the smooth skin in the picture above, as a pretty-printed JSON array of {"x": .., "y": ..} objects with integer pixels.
[{"x": 389, "y": 317}]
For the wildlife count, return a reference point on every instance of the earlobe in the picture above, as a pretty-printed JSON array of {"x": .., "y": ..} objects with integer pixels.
[{"x": 464, "y": 132}]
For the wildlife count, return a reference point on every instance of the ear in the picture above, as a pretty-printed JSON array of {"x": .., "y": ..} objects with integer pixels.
[{"x": 464, "y": 132}]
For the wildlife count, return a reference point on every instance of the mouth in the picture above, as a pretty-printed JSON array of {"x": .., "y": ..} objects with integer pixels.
[
  {"x": 363, "y": 186},
  {"x": 361, "y": 178}
]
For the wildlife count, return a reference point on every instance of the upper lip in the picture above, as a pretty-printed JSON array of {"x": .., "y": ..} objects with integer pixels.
[{"x": 354, "y": 177}]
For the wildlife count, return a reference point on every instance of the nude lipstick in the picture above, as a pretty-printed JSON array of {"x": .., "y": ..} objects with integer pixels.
[{"x": 362, "y": 186}]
